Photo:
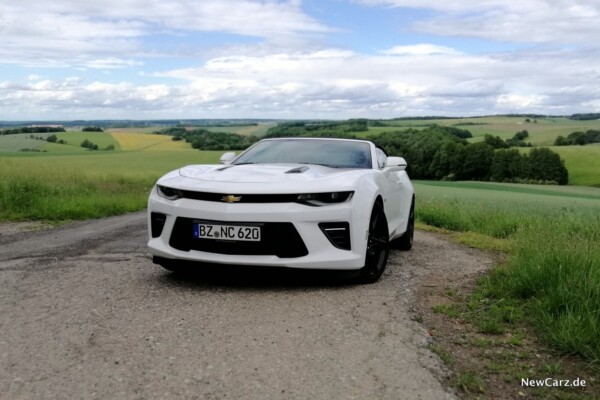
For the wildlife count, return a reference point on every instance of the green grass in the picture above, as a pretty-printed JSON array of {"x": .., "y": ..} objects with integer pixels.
[
  {"x": 583, "y": 163},
  {"x": 469, "y": 382},
  {"x": 69, "y": 187},
  {"x": 553, "y": 272}
]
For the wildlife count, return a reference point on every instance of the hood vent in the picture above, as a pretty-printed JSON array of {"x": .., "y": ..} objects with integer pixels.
[
  {"x": 224, "y": 168},
  {"x": 297, "y": 170}
]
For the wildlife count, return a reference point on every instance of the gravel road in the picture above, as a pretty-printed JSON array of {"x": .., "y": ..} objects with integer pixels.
[{"x": 84, "y": 314}]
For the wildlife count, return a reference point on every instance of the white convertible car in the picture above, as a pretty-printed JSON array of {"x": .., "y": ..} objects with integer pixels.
[{"x": 336, "y": 204}]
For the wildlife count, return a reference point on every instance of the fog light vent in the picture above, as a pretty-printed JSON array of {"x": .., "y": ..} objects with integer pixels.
[
  {"x": 338, "y": 233},
  {"x": 157, "y": 223}
]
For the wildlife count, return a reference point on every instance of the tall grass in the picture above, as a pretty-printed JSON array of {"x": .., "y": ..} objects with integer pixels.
[
  {"x": 58, "y": 188},
  {"x": 70, "y": 196},
  {"x": 554, "y": 266}
]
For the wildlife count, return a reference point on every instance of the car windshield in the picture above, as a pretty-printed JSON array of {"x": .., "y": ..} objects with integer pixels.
[{"x": 330, "y": 153}]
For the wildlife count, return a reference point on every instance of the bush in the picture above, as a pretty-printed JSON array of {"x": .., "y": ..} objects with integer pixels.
[
  {"x": 89, "y": 145},
  {"x": 92, "y": 129}
]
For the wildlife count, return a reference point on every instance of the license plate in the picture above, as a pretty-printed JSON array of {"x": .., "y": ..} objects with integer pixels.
[{"x": 227, "y": 232}]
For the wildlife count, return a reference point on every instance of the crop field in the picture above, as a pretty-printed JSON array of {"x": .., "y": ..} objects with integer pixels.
[
  {"x": 74, "y": 138},
  {"x": 59, "y": 187},
  {"x": 250, "y": 130},
  {"x": 541, "y": 133},
  {"x": 21, "y": 141},
  {"x": 11, "y": 143},
  {"x": 132, "y": 141},
  {"x": 553, "y": 238}
]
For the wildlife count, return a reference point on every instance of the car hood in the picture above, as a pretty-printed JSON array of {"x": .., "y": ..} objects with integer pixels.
[{"x": 262, "y": 178}]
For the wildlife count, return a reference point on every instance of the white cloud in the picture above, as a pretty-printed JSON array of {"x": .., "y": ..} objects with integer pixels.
[
  {"x": 329, "y": 84},
  {"x": 72, "y": 32},
  {"x": 539, "y": 21}
]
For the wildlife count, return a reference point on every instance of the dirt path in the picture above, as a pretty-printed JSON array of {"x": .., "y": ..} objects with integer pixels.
[{"x": 85, "y": 314}]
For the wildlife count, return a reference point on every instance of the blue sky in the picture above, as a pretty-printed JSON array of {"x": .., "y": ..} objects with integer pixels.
[{"x": 297, "y": 59}]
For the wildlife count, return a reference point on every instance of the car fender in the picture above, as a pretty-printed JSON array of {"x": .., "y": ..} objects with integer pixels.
[{"x": 366, "y": 194}]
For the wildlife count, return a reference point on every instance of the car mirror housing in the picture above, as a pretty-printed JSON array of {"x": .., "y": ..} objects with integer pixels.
[
  {"x": 227, "y": 158},
  {"x": 396, "y": 162}
]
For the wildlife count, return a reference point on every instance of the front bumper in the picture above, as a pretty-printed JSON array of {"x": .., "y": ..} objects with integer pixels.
[{"x": 321, "y": 253}]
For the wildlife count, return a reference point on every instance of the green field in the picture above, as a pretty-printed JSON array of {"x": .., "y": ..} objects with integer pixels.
[
  {"x": 253, "y": 130},
  {"x": 541, "y": 133},
  {"x": 583, "y": 163},
  {"x": 552, "y": 235},
  {"x": 10, "y": 143},
  {"x": 21, "y": 141},
  {"x": 57, "y": 187}
]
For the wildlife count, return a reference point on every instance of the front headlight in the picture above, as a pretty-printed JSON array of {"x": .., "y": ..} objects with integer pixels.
[
  {"x": 324, "y": 199},
  {"x": 169, "y": 193}
]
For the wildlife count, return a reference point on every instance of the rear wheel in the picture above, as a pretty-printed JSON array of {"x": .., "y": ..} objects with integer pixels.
[
  {"x": 377, "y": 247},
  {"x": 405, "y": 241}
]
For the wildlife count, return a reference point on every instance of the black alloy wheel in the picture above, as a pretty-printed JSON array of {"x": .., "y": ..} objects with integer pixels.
[{"x": 377, "y": 246}]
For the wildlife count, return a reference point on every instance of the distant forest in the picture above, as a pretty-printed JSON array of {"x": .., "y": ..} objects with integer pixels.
[{"x": 436, "y": 152}]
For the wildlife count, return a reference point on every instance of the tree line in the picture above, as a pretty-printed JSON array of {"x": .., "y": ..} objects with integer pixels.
[
  {"x": 203, "y": 139},
  {"x": 579, "y": 138},
  {"x": 32, "y": 129},
  {"x": 436, "y": 152}
]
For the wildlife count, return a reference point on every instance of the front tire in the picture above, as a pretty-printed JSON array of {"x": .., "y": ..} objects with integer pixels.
[{"x": 377, "y": 246}]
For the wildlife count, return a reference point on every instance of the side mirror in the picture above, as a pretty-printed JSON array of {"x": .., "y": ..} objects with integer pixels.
[
  {"x": 397, "y": 162},
  {"x": 227, "y": 158}
]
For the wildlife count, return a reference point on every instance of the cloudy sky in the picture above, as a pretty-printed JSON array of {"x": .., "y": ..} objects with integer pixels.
[{"x": 140, "y": 59}]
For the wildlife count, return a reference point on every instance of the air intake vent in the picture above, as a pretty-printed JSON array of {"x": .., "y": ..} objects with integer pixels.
[
  {"x": 157, "y": 222},
  {"x": 338, "y": 234}
]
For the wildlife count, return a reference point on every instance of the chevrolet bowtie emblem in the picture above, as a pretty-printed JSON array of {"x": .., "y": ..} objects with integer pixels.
[{"x": 231, "y": 198}]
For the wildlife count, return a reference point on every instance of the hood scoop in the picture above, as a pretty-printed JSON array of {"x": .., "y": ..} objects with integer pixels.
[{"x": 297, "y": 170}]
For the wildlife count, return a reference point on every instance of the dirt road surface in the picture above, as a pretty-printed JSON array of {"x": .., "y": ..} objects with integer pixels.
[{"x": 84, "y": 314}]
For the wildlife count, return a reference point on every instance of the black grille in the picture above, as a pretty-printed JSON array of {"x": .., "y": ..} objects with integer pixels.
[
  {"x": 280, "y": 239},
  {"x": 157, "y": 223},
  {"x": 338, "y": 234},
  {"x": 243, "y": 198}
]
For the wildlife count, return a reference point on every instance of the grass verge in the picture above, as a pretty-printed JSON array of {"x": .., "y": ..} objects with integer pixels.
[
  {"x": 547, "y": 287},
  {"x": 74, "y": 187}
]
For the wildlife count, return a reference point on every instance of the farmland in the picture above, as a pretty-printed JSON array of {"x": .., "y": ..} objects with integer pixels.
[
  {"x": 543, "y": 132},
  {"x": 583, "y": 162},
  {"x": 254, "y": 130},
  {"x": 58, "y": 186},
  {"x": 553, "y": 237}
]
